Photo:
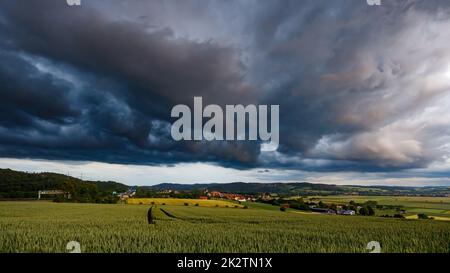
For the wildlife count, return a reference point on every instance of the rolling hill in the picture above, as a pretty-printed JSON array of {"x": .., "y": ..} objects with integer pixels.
[
  {"x": 16, "y": 184},
  {"x": 304, "y": 188}
]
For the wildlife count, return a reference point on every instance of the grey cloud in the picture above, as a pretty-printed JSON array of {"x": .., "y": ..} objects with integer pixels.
[
  {"x": 349, "y": 70},
  {"x": 360, "y": 88}
]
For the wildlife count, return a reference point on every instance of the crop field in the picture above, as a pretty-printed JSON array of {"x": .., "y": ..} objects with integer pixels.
[
  {"x": 432, "y": 206},
  {"x": 182, "y": 202},
  {"x": 48, "y": 227}
]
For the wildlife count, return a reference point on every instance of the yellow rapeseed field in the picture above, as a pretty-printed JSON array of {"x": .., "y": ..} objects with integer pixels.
[{"x": 183, "y": 202}]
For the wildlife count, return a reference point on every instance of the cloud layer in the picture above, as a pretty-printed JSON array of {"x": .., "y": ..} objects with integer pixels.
[{"x": 360, "y": 88}]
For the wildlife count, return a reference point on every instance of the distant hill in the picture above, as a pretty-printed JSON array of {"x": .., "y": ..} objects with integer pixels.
[
  {"x": 304, "y": 188},
  {"x": 15, "y": 184}
]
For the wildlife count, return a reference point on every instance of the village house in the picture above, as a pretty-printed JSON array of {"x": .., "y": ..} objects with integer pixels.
[
  {"x": 215, "y": 194},
  {"x": 347, "y": 212},
  {"x": 128, "y": 194}
]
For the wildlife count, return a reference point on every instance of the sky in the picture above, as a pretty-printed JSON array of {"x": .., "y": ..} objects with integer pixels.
[{"x": 363, "y": 91}]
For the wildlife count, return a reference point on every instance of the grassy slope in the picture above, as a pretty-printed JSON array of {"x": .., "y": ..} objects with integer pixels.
[
  {"x": 434, "y": 206},
  {"x": 47, "y": 227}
]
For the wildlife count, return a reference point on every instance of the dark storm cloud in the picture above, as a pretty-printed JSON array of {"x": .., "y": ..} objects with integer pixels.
[
  {"x": 25, "y": 94},
  {"x": 138, "y": 75},
  {"x": 97, "y": 82}
]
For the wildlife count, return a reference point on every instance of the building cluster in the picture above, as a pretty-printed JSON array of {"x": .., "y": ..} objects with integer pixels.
[
  {"x": 125, "y": 195},
  {"x": 339, "y": 211},
  {"x": 230, "y": 196}
]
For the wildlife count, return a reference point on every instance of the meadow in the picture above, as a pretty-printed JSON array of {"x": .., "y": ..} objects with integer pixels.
[
  {"x": 439, "y": 207},
  {"x": 48, "y": 227}
]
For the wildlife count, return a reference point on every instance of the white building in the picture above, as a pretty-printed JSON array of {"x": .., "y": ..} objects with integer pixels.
[{"x": 348, "y": 212}]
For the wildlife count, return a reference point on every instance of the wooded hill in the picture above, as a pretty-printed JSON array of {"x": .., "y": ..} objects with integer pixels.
[{"x": 22, "y": 185}]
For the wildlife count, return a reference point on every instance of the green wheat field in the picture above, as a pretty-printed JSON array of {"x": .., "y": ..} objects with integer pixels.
[{"x": 48, "y": 227}]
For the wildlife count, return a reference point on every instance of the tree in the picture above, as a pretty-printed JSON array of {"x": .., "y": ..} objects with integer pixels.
[
  {"x": 364, "y": 211},
  {"x": 299, "y": 205},
  {"x": 423, "y": 216},
  {"x": 371, "y": 211},
  {"x": 333, "y": 207}
]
